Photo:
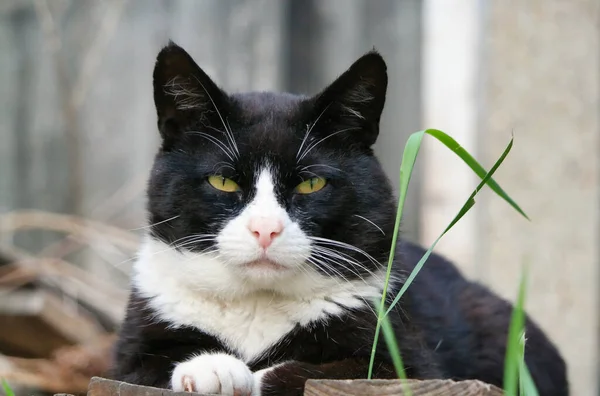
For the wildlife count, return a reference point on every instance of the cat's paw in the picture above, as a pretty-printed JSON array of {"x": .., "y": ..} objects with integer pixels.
[{"x": 220, "y": 373}]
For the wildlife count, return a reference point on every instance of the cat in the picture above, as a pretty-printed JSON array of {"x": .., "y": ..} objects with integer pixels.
[{"x": 271, "y": 222}]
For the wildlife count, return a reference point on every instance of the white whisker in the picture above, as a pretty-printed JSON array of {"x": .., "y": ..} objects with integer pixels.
[
  {"x": 157, "y": 223},
  {"x": 309, "y": 173},
  {"x": 369, "y": 221},
  {"x": 231, "y": 145},
  {"x": 330, "y": 255},
  {"x": 216, "y": 141},
  {"x": 309, "y": 149},
  {"x": 223, "y": 165},
  {"x": 322, "y": 165},
  {"x": 343, "y": 256},
  {"x": 309, "y": 130},
  {"x": 233, "y": 142},
  {"x": 344, "y": 245},
  {"x": 214, "y": 105},
  {"x": 324, "y": 266}
]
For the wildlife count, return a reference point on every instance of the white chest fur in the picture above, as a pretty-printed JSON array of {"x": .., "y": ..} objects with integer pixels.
[{"x": 187, "y": 289}]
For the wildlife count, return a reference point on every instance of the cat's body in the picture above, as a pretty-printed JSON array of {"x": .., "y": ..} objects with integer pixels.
[{"x": 271, "y": 226}]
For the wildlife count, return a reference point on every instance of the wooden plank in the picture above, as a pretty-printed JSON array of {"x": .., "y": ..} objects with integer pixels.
[
  {"x": 105, "y": 387},
  {"x": 397, "y": 388}
]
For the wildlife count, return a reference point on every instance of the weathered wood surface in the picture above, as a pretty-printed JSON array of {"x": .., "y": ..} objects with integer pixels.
[
  {"x": 105, "y": 387},
  {"x": 398, "y": 388}
]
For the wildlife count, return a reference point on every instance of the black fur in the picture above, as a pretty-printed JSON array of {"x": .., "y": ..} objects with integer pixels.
[{"x": 446, "y": 326}]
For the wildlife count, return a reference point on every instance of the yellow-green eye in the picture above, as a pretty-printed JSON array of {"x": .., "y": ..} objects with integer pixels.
[
  {"x": 311, "y": 185},
  {"x": 223, "y": 184}
]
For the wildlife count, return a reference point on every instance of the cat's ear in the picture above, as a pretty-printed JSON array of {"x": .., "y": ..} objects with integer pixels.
[
  {"x": 356, "y": 98},
  {"x": 183, "y": 93}
]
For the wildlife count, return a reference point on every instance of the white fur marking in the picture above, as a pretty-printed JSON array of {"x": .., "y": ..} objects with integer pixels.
[
  {"x": 188, "y": 289},
  {"x": 215, "y": 374},
  {"x": 249, "y": 310},
  {"x": 238, "y": 246}
]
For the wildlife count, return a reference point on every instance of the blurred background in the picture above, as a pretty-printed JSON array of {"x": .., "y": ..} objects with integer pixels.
[{"x": 78, "y": 135}]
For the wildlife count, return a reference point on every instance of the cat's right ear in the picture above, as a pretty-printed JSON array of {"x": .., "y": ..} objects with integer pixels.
[
  {"x": 183, "y": 93},
  {"x": 354, "y": 101}
]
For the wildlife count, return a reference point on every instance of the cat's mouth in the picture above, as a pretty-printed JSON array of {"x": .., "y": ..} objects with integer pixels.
[{"x": 265, "y": 264}]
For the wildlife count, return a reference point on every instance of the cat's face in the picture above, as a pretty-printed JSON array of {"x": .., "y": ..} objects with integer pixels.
[{"x": 271, "y": 185}]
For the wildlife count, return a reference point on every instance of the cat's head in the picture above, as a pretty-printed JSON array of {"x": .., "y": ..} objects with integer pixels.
[{"x": 270, "y": 185}]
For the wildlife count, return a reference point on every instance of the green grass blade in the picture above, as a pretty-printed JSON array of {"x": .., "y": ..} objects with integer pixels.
[
  {"x": 411, "y": 150},
  {"x": 527, "y": 385},
  {"x": 7, "y": 389},
  {"x": 390, "y": 340},
  {"x": 468, "y": 159},
  {"x": 521, "y": 360},
  {"x": 392, "y": 344},
  {"x": 513, "y": 347},
  {"x": 465, "y": 208}
]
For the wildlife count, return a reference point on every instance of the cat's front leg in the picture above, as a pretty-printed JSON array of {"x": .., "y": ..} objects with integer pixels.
[
  {"x": 288, "y": 378},
  {"x": 214, "y": 373},
  {"x": 224, "y": 374}
]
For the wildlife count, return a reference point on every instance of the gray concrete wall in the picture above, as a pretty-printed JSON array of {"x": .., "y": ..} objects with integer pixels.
[
  {"x": 541, "y": 71},
  {"x": 533, "y": 71}
]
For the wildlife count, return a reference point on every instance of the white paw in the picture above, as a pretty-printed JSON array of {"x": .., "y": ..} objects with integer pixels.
[{"x": 213, "y": 373}]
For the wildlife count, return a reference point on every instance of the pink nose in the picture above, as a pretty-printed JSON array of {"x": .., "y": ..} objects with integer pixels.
[{"x": 265, "y": 230}]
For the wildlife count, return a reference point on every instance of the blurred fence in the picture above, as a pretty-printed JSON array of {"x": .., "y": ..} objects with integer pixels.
[
  {"x": 78, "y": 132},
  {"x": 77, "y": 117}
]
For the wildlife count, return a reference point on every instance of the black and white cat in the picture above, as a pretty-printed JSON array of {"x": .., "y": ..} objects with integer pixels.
[{"x": 271, "y": 224}]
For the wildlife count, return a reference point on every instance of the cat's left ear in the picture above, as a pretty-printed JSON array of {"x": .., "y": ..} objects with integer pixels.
[
  {"x": 183, "y": 93},
  {"x": 356, "y": 98}
]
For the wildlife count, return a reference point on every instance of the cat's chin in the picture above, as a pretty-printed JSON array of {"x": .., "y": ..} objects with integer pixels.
[
  {"x": 265, "y": 270},
  {"x": 264, "y": 265}
]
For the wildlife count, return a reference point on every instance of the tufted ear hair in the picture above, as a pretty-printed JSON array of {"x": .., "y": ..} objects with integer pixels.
[{"x": 183, "y": 93}]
